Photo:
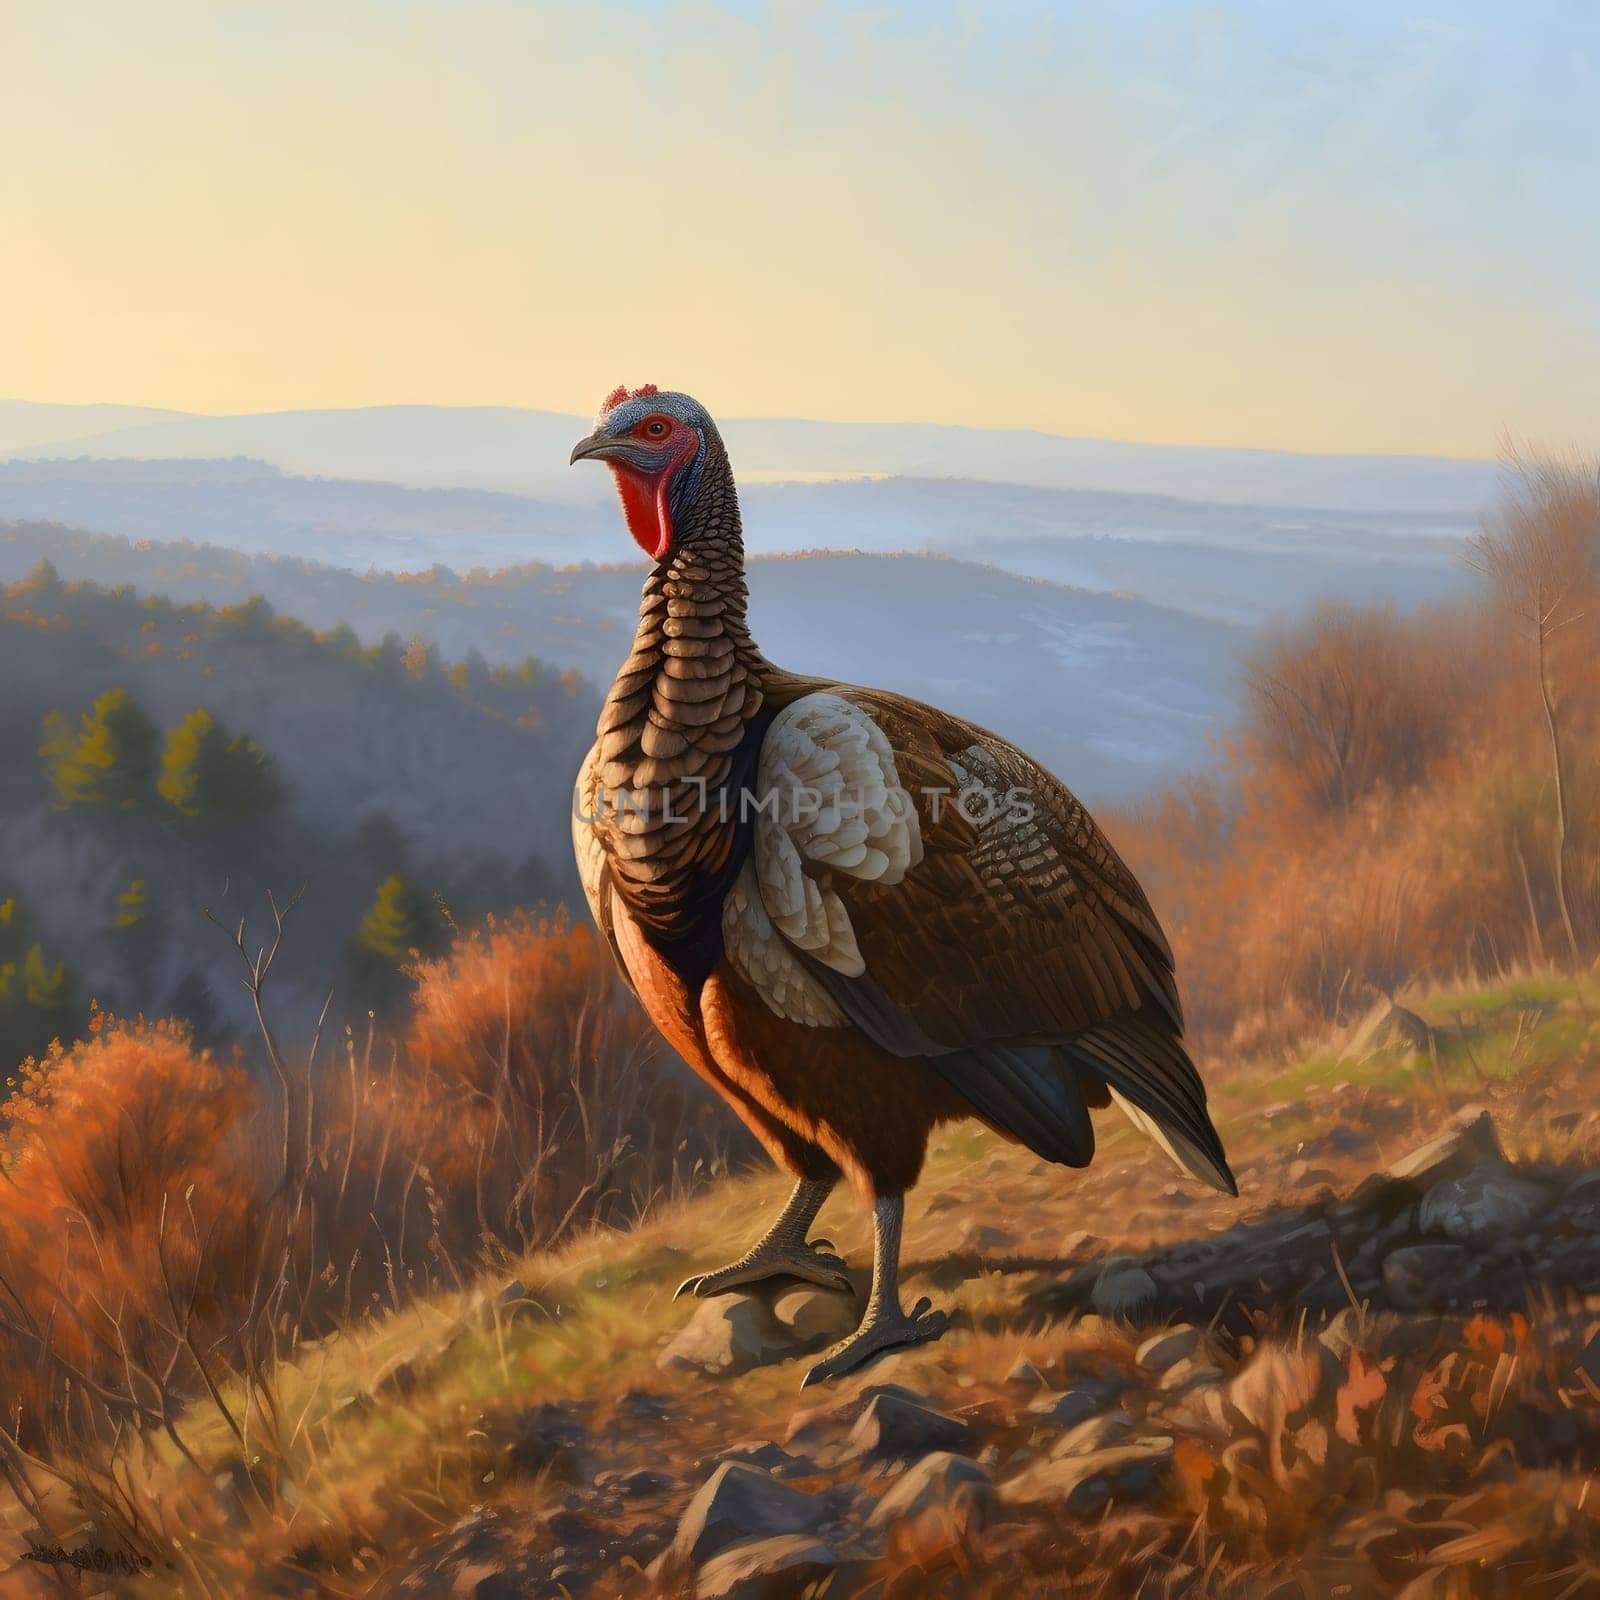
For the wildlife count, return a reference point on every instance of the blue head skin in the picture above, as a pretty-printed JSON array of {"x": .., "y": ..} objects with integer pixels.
[{"x": 659, "y": 447}]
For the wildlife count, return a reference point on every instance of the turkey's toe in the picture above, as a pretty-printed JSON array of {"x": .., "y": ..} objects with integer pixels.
[
  {"x": 806, "y": 1262},
  {"x": 879, "y": 1333}
]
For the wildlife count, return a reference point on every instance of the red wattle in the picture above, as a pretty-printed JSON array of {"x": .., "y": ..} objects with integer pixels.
[
  {"x": 644, "y": 507},
  {"x": 644, "y": 501}
]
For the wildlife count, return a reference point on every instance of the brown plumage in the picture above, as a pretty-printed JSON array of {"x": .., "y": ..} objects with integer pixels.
[{"x": 854, "y": 915}]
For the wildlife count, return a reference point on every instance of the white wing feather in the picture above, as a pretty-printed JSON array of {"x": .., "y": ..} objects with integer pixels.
[{"x": 829, "y": 801}]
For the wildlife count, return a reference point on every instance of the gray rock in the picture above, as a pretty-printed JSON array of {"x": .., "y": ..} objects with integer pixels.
[
  {"x": 1130, "y": 1471},
  {"x": 1163, "y": 1350},
  {"x": 1069, "y": 1407},
  {"x": 984, "y": 1239},
  {"x": 1422, "y": 1275},
  {"x": 1467, "y": 1141},
  {"x": 813, "y": 1425},
  {"x": 775, "y": 1568},
  {"x": 938, "y": 1482},
  {"x": 736, "y": 1504},
  {"x": 896, "y": 1429},
  {"x": 728, "y": 1335},
  {"x": 1024, "y": 1375},
  {"x": 1489, "y": 1200},
  {"x": 1124, "y": 1291},
  {"x": 769, "y": 1457}
]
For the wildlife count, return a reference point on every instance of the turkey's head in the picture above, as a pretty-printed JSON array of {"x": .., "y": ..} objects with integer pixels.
[{"x": 657, "y": 445}]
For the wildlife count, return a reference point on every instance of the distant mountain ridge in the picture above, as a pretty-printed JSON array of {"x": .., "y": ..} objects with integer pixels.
[
  {"x": 1114, "y": 694},
  {"x": 27, "y": 423},
  {"x": 1225, "y": 562},
  {"x": 525, "y": 451}
]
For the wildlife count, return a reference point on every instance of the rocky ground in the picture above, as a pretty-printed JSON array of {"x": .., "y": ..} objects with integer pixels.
[
  {"x": 1377, "y": 1373},
  {"x": 1143, "y": 1396}
]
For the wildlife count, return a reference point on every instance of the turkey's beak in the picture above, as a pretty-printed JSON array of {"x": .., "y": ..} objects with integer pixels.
[{"x": 596, "y": 447}]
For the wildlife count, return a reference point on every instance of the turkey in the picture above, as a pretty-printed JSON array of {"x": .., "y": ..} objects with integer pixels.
[{"x": 855, "y": 916}]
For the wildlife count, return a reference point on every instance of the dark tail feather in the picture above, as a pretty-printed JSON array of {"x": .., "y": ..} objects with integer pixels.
[
  {"x": 1024, "y": 1090},
  {"x": 1154, "y": 1081}
]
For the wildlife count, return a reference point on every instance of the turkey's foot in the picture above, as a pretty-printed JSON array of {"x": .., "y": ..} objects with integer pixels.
[
  {"x": 811, "y": 1263},
  {"x": 884, "y": 1328}
]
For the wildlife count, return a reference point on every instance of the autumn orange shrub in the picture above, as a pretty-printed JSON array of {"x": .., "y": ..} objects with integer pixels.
[
  {"x": 132, "y": 1213},
  {"x": 535, "y": 1090},
  {"x": 1361, "y": 835}
]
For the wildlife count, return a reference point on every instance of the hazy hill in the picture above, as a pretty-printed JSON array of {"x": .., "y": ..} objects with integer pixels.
[
  {"x": 503, "y": 447},
  {"x": 26, "y": 423},
  {"x": 1115, "y": 694},
  {"x": 1231, "y": 562}
]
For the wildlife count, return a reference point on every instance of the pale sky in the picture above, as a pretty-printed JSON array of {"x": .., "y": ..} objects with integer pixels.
[{"x": 1353, "y": 226}]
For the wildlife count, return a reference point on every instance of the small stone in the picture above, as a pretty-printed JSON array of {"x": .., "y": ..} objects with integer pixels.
[
  {"x": 737, "y": 1503},
  {"x": 984, "y": 1239},
  {"x": 812, "y": 1425},
  {"x": 1069, "y": 1407},
  {"x": 1124, "y": 1291},
  {"x": 769, "y": 1457},
  {"x": 1132, "y": 1471},
  {"x": 1422, "y": 1275},
  {"x": 1469, "y": 1138},
  {"x": 1163, "y": 1350},
  {"x": 774, "y": 1568},
  {"x": 1025, "y": 1375},
  {"x": 726, "y": 1336},
  {"x": 892, "y": 1429},
  {"x": 940, "y": 1481}
]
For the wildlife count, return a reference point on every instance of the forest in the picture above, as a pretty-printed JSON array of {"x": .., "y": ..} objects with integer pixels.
[{"x": 167, "y": 757}]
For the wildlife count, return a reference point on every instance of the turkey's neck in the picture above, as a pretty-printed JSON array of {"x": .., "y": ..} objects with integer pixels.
[{"x": 676, "y": 725}]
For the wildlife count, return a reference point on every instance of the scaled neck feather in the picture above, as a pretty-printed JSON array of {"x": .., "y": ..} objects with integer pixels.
[{"x": 680, "y": 709}]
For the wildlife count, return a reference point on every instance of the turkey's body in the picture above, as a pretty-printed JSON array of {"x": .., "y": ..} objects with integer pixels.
[{"x": 856, "y": 916}]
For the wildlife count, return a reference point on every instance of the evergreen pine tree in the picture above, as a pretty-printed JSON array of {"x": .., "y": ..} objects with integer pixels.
[{"x": 109, "y": 763}]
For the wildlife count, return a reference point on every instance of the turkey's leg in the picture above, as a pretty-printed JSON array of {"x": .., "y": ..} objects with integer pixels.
[
  {"x": 782, "y": 1251},
  {"x": 884, "y": 1326}
]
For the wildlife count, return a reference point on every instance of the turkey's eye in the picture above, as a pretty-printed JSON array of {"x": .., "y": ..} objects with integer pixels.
[{"x": 655, "y": 428}]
